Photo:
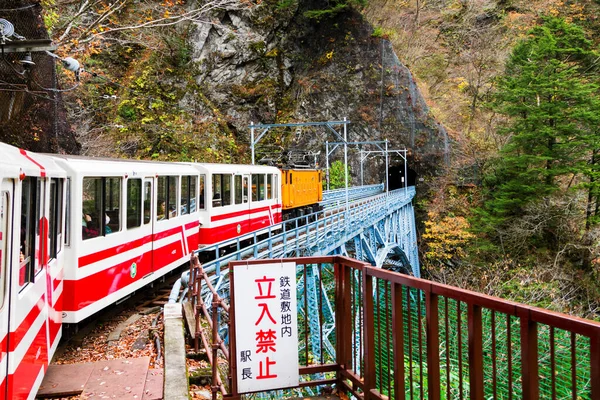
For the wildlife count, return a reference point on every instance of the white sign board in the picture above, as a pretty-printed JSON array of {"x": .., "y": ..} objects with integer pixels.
[{"x": 266, "y": 326}]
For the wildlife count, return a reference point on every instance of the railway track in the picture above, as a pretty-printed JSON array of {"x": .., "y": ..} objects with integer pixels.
[{"x": 104, "y": 330}]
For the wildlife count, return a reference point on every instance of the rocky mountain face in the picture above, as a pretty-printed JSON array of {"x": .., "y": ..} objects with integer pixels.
[{"x": 273, "y": 65}]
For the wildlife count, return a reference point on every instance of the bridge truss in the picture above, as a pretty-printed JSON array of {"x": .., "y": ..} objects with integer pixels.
[{"x": 376, "y": 226}]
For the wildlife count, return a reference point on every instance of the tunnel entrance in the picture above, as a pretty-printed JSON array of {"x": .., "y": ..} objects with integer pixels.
[{"x": 395, "y": 175}]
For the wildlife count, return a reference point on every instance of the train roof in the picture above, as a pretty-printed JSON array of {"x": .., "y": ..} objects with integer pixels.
[
  {"x": 93, "y": 166},
  {"x": 18, "y": 160},
  {"x": 37, "y": 164},
  {"x": 232, "y": 168}
]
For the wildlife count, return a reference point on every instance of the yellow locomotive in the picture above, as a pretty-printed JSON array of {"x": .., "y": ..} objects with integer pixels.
[
  {"x": 301, "y": 191},
  {"x": 301, "y": 181}
]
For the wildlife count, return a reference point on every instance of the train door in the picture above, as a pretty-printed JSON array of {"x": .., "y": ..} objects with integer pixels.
[
  {"x": 5, "y": 241},
  {"x": 55, "y": 256},
  {"x": 241, "y": 193},
  {"x": 149, "y": 220},
  {"x": 28, "y": 340}
]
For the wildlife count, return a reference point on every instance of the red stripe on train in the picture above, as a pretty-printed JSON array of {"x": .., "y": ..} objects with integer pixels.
[
  {"x": 3, "y": 351},
  {"x": 191, "y": 225},
  {"x": 58, "y": 279},
  {"x": 41, "y": 167},
  {"x": 85, "y": 291},
  {"x": 113, "y": 251},
  {"x": 230, "y": 231},
  {"x": 168, "y": 232},
  {"x": 243, "y": 212},
  {"x": 3, "y": 385},
  {"x": 106, "y": 253},
  {"x": 55, "y": 319},
  {"x": 17, "y": 336},
  {"x": 36, "y": 358}
]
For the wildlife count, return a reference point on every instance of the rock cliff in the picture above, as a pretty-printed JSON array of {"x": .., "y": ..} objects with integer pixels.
[{"x": 270, "y": 65}]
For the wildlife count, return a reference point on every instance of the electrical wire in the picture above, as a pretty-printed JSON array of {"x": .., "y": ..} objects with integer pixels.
[
  {"x": 20, "y": 87},
  {"x": 53, "y": 89},
  {"x": 20, "y": 73},
  {"x": 23, "y": 75},
  {"x": 19, "y": 8},
  {"x": 132, "y": 91}
]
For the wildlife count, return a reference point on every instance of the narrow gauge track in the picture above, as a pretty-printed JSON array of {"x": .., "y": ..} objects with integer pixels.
[{"x": 148, "y": 300}]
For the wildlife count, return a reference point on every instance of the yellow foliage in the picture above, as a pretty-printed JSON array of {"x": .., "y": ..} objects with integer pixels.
[
  {"x": 462, "y": 84},
  {"x": 446, "y": 237}
]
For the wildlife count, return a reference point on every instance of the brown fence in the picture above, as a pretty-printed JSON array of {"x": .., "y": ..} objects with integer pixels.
[{"x": 401, "y": 337}]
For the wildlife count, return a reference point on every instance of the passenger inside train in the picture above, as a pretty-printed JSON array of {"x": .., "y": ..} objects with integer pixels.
[{"x": 87, "y": 229}]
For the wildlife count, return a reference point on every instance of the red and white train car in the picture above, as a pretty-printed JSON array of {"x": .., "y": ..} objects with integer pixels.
[
  {"x": 79, "y": 234},
  {"x": 241, "y": 199},
  {"x": 32, "y": 252},
  {"x": 128, "y": 224}
]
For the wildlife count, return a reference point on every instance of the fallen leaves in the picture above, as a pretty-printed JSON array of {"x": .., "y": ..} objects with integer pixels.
[{"x": 96, "y": 347}]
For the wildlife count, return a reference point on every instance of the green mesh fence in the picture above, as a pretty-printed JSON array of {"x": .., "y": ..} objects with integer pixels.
[{"x": 501, "y": 352}]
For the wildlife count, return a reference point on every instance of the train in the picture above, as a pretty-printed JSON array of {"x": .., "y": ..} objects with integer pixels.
[{"x": 78, "y": 234}]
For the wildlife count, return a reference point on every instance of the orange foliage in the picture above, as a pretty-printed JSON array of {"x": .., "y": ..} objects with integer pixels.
[{"x": 446, "y": 237}]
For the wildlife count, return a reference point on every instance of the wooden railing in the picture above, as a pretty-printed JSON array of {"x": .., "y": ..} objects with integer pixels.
[{"x": 400, "y": 337}]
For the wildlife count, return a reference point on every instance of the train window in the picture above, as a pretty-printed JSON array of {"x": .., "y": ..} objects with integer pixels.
[
  {"x": 193, "y": 193},
  {"x": 30, "y": 212},
  {"x": 216, "y": 190},
  {"x": 254, "y": 187},
  {"x": 112, "y": 201},
  {"x": 238, "y": 189},
  {"x": 55, "y": 219},
  {"x": 275, "y": 187},
  {"x": 202, "y": 194},
  {"x": 221, "y": 190},
  {"x": 269, "y": 186},
  {"x": 226, "y": 189},
  {"x": 134, "y": 203},
  {"x": 101, "y": 205},
  {"x": 258, "y": 187},
  {"x": 261, "y": 187},
  {"x": 245, "y": 188},
  {"x": 36, "y": 224},
  {"x": 161, "y": 198},
  {"x": 167, "y": 197},
  {"x": 3, "y": 243},
  {"x": 147, "y": 201},
  {"x": 188, "y": 194},
  {"x": 172, "y": 199}
]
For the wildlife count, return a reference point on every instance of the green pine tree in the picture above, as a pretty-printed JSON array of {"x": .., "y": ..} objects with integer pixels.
[{"x": 550, "y": 93}]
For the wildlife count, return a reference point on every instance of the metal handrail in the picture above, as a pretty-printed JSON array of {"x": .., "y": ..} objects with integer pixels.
[
  {"x": 197, "y": 276},
  {"x": 405, "y": 322},
  {"x": 333, "y": 197}
]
